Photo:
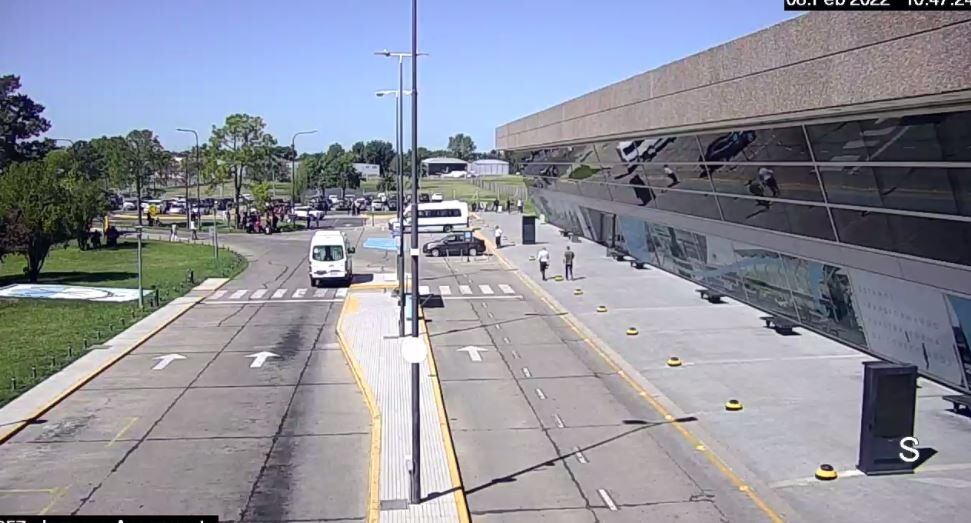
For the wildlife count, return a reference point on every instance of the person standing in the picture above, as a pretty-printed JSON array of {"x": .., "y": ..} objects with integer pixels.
[
  {"x": 519, "y": 206},
  {"x": 194, "y": 227},
  {"x": 173, "y": 234},
  {"x": 568, "y": 263},
  {"x": 498, "y": 237},
  {"x": 543, "y": 256},
  {"x": 495, "y": 205}
]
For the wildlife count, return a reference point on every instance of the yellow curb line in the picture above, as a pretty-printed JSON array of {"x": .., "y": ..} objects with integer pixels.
[
  {"x": 17, "y": 427},
  {"x": 373, "y": 507},
  {"x": 691, "y": 438},
  {"x": 461, "y": 505}
]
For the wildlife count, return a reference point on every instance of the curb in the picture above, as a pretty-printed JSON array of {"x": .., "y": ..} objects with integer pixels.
[
  {"x": 373, "y": 508},
  {"x": 655, "y": 398}
]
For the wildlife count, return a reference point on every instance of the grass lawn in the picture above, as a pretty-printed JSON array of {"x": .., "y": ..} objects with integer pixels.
[{"x": 36, "y": 333}]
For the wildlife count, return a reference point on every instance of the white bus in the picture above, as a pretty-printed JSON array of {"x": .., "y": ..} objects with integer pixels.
[{"x": 436, "y": 216}]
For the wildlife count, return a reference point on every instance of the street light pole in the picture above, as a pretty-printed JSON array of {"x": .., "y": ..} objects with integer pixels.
[
  {"x": 293, "y": 166},
  {"x": 188, "y": 208},
  {"x": 141, "y": 299},
  {"x": 415, "y": 367}
]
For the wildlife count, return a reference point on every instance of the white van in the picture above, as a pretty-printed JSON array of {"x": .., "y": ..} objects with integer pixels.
[
  {"x": 329, "y": 258},
  {"x": 436, "y": 216}
]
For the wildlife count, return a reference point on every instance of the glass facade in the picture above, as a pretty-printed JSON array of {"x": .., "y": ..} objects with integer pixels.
[{"x": 897, "y": 183}]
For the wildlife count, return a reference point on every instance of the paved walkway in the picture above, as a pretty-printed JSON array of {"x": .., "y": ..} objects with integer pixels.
[
  {"x": 33, "y": 403},
  {"x": 368, "y": 327},
  {"x": 801, "y": 393}
]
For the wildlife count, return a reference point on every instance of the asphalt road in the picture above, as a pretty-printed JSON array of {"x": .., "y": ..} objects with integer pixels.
[
  {"x": 544, "y": 429},
  {"x": 212, "y": 432}
]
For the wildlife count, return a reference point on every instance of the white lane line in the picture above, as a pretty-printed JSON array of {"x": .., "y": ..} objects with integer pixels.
[
  {"x": 238, "y": 294},
  {"x": 255, "y": 302},
  {"x": 517, "y": 297},
  {"x": 559, "y": 421},
  {"x": 486, "y": 289},
  {"x": 607, "y": 500},
  {"x": 279, "y": 293},
  {"x": 444, "y": 290},
  {"x": 423, "y": 290},
  {"x": 465, "y": 289},
  {"x": 526, "y": 372},
  {"x": 342, "y": 292},
  {"x": 320, "y": 293},
  {"x": 299, "y": 293},
  {"x": 216, "y": 295},
  {"x": 540, "y": 394},
  {"x": 506, "y": 289},
  {"x": 579, "y": 455},
  {"x": 257, "y": 294}
]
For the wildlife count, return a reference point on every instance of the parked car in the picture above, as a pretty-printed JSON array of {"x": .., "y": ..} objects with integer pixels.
[
  {"x": 437, "y": 197},
  {"x": 424, "y": 198},
  {"x": 302, "y": 211},
  {"x": 454, "y": 245}
]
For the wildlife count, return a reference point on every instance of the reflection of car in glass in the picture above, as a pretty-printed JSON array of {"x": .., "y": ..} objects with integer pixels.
[
  {"x": 454, "y": 245},
  {"x": 642, "y": 150},
  {"x": 724, "y": 148}
]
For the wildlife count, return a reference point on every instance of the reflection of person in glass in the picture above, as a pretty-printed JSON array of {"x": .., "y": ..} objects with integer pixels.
[
  {"x": 766, "y": 177},
  {"x": 669, "y": 172}
]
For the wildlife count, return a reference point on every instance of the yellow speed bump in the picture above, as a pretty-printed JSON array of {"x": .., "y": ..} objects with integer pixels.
[
  {"x": 733, "y": 405},
  {"x": 532, "y": 258},
  {"x": 631, "y": 331},
  {"x": 577, "y": 292},
  {"x": 557, "y": 278},
  {"x": 601, "y": 308},
  {"x": 674, "y": 361},
  {"x": 826, "y": 472}
]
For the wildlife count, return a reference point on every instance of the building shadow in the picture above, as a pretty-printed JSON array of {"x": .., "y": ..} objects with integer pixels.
[{"x": 70, "y": 278}]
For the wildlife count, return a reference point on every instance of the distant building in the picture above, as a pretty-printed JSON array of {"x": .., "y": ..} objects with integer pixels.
[
  {"x": 487, "y": 167},
  {"x": 440, "y": 166},
  {"x": 368, "y": 170}
]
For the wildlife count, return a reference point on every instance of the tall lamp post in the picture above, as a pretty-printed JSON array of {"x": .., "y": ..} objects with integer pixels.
[
  {"x": 293, "y": 166},
  {"x": 188, "y": 208},
  {"x": 400, "y": 183}
]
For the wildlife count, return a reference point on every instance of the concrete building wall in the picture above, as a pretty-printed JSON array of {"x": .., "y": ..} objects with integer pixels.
[{"x": 812, "y": 65}]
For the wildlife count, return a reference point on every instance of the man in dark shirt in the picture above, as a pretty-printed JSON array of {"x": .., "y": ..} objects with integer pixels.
[{"x": 568, "y": 263}]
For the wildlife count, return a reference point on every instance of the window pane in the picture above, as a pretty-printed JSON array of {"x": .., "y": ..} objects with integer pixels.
[
  {"x": 824, "y": 298},
  {"x": 785, "y": 217},
  {"x": 928, "y": 189},
  {"x": 579, "y": 171},
  {"x": 594, "y": 189},
  {"x": 765, "y": 279},
  {"x": 566, "y": 186},
  {"x": 688, "y": 203},
  {"x": 542, "y": 169},
  {"x": 927, "y": 137},
  {"x": 786, "y": 144},
  {"x": 944, "y": 240},
  {"x": 791, "y": 182},
  {"x": 837, "y": 142},
  {"x": 649, "y": 150},
  {"x": 865, "y": 228},
  {"x": 634, "y": 194}
]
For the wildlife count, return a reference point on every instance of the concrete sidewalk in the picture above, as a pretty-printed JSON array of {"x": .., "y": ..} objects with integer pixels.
[
  {"x": 32, "y": 404},
  {"x": 801, "y": 393},
  {"x": 368, "y": 329}
]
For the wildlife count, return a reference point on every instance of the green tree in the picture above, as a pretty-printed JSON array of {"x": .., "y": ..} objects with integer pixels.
[
  {"x": 461, "y": 146},
  {"x": 78, "y": 170},
  {"x": 261, "y": 194},
  {"x": 242, "y": 145},
  {"x": 32, "y": 202},
  {"x": 145, "y": 158},
  {"x": 339, "y": 171},
  {"x": 20, "y": 120}
]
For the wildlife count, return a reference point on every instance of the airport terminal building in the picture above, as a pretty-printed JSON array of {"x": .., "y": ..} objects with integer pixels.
[{"x": 819, "y": 170}]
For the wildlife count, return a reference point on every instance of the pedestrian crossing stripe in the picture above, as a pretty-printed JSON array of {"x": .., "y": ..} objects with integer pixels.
[
  {"x": 341, "y": 293},
  {"x": 238, "y": 294},
  {"x": 299, "y": 293},
  {"x": 257, "y": 294},
  {"x": 445, "y": 290},
  {"x": 320, "y": 293},
  {"x": 465, "y": 289},
  {"x": 279, "y": 293},
  {"x": 424, "y": 290},
  {"x": 216, "y": 295},
  {"x": 485, "y": 289},
  {"x": 506, "y": 289}
]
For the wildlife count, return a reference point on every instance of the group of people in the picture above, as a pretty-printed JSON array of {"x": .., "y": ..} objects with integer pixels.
[
  {"x": 509, "y": 206},
  {"x": 543, "y": 257}
]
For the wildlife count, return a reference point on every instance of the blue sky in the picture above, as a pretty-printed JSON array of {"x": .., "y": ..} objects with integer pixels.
[{"x": 109, "y": 66}]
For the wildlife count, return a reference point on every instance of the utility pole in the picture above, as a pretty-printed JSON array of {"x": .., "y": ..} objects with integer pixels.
[{"x": 415, "y": 497}]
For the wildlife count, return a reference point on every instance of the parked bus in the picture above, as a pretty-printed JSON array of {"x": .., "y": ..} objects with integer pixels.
[{"x": 436, "y": 216}]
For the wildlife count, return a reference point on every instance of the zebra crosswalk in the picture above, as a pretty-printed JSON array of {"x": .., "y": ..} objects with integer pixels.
[{"x": 284, "y": 295}]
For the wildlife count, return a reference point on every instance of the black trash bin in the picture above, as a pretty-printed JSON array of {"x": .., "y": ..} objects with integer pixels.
[{"x": 529, "y": 230}]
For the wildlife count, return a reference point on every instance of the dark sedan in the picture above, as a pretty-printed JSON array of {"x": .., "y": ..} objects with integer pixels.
[{"x": 454, "y": 245}]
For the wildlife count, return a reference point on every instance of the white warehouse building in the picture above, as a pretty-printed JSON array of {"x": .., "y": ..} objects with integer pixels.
[{"x": 488, "y": 167}]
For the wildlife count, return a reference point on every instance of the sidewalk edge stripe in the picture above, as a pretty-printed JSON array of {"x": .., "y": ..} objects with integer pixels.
[
  {"x": 588, "y": 337},
  {"x": 461, "y": 505},
  {"x": 17, "y": 427},
  {"x": 373, "y": 507}
]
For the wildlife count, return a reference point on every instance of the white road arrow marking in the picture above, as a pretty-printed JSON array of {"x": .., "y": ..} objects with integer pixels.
[
  {"x": 163, "y": 361},
  {"x": 473, "y": 352},
  {"x": 260, "y": 358}
]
